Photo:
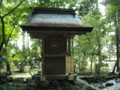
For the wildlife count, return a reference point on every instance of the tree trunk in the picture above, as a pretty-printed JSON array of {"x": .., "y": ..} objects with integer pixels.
[
  {"x": 99, "y": 57},
  {"x": 21, "y": 67},
  {"x": 115, "y": 67},
  {"x": 3, "y": 33},
  {"x": 79, "y": 67},
  {"x": 8, "y": 68},
  {"x": 98, "y": 68},
  {"x": 117, "y": 44},
  {"x": 91, "y": 65}
]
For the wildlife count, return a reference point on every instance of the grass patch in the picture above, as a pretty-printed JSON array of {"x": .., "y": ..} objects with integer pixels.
[{"x": 14, "y": 86}]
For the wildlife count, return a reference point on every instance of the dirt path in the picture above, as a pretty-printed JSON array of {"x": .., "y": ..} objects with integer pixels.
[{"x": 22, "y": 75}]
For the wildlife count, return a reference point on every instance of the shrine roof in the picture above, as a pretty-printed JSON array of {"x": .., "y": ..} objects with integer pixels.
[{"x": 47, "y": 20}]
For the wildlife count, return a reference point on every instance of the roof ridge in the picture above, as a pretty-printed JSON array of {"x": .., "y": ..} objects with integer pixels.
[{"x": 37, "y": 10}]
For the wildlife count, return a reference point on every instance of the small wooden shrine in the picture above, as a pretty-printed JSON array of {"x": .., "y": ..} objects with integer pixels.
[{"x": 56, "y": 27}]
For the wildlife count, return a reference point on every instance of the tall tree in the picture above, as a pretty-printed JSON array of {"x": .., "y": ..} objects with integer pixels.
[
  {"x": 113, "y": 15},
  {"x": 5, "y": 12},
  {"x": 4, "y": 6}
]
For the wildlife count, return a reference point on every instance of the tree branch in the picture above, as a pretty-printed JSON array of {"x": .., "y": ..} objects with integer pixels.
[
  {"x": 3, "y": 32},
  {"x": 3, "y": 24},
  {"x": 7, "y": 40},
  {"x": 1, "y": 45},
  {"x": 13, "y": 9},
  {"x": 12, "y": 31}
]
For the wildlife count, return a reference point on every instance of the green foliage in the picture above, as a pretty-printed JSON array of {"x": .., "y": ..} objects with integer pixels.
[
  {"x": 113, "y": 2},
  {"x": 112, "y": 10},
  {"x": 83, "y": 6},
  {"x": 12, "y": 87},
  {"x": 2, "y": 63},
  {"x": 93, "y": 44}
]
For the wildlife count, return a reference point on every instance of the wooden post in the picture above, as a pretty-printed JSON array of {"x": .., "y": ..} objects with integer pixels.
[
  {"x": 42, "y": 54},
  {"x": 69, "y": 47},
  {"x": 72, "y": 49}
]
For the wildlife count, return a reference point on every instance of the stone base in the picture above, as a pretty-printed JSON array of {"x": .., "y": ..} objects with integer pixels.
[
  {"x": 39, "y": 77},
  {"x": 77, "y": 84}
]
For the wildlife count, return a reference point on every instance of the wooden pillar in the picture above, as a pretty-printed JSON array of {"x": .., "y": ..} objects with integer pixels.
[
  {"x": 69, "y": 47},
  {"x": 42, "y": 54},
  {"x": 72, "y": 49}
]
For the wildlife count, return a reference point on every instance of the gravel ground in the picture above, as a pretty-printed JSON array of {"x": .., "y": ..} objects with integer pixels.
[{"x": 113, "y": 84}]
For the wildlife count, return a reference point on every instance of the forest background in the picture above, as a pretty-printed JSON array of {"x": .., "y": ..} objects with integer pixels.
[{"x": 93, "y": 52}]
